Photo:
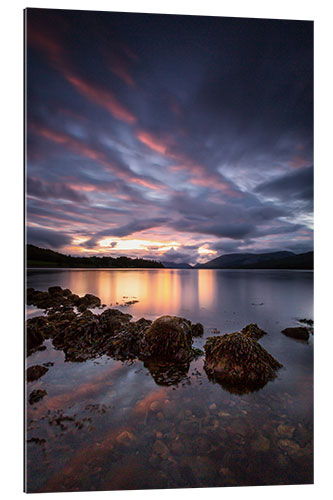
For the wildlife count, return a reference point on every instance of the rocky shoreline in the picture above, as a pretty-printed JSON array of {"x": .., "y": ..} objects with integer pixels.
[
  {"x": 184, "y": 436},
  {"x": 237, "y": 361}
]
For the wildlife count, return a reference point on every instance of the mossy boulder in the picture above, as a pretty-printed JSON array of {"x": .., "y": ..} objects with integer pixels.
[
  {"x": 239, "y": 362},
  {"x": 254, "y": 331},
  {"x": 129, "y": 342},
  {"x": 170, "y": 338},
  {"x": 113, "y": 320}
]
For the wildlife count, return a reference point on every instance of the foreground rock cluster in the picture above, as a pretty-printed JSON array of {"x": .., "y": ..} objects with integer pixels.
[
  {"x": 165, "y": 346},
  {"x": 57, "y": 298}
]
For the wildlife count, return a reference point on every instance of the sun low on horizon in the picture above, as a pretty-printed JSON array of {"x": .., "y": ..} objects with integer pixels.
[{"x": 174, "y": 148}]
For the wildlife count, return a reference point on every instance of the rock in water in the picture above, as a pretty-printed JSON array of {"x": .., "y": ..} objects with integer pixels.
[
  {"x": 197, "y": 330},
  {"x": 53, "y": 290},
  {"x": 36, "y": 396},
  {"x": 35, "y": 372},
  {"x": 38, "y": 329},
  {"x": 34, "y": 338},
  {"x": 238, "y": 362},
  {"x": 57, "y": 299},
  {"x": 254, "y": 331},
  {"x": 306, "y": 321},
  {"x": 170, "y": 338},
  {"x": 299, "y": 333}
]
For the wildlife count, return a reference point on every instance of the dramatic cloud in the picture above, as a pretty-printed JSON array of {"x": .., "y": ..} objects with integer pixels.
[
  {"x": 178, "y": 147},
  {"x": 134, "y": 226},
  {"x": 43, "y": 189},
  {"x": 295, "y": 185},
  {"x": 47, "y": 237}
]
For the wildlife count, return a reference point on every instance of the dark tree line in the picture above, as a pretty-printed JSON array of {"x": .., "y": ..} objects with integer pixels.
[{"x": 39, "y": 257}]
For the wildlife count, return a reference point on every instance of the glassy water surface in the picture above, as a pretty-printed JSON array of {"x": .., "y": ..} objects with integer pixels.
[{"x": 108, "y": 425}]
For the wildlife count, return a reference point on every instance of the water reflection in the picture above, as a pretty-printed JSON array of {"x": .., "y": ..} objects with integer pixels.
[
  {"x": 206, "y": 288},
  {"x": 211, "y": 295},
  {"x": 167, "y": 373},
  {"x": 109, "y": 425}
]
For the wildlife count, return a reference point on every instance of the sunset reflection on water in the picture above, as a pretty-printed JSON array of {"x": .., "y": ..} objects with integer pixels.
[{"x": 158, "y": 291}]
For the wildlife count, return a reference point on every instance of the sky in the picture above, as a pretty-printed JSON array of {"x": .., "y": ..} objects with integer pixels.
[{"x": 174, "y": 138}]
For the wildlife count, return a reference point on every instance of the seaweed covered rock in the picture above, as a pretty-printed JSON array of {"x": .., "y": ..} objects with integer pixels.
[
  {"x": 113, "y": 320},
  {"x": 298, "y": 333},
  {"x": 87, "y": 335},
  {"x": 170, "y": 338},
  {"x": 36, "y": 396},
  {"x": 40, "y": 299},
  {"x": 34, "y": 334},
  {"x": 80, "y": 338},
  {"x": 238, "y": 362},
  {"x": 254, "y": 331},
  {"x": 165, "y": 343},
  {"x": 130, "y": 342},
  {"x": 197, "y": 330},
  {"x": 88, "y": 300},
  {"x": 57, "y": 298},
  {"x": 38, "y": 329},
  {"x": 55, "y": 290},
  {"x": 35, "y": 372}
]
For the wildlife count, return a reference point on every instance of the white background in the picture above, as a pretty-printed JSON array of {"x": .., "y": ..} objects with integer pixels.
[{"x": 11, "y": 234}]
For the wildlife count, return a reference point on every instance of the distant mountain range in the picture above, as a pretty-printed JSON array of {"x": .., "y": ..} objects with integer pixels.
[
  {"x": 174, "y": 265},
  {"x": 42, "y": 257},
  {"x": 273, "y": 260}
]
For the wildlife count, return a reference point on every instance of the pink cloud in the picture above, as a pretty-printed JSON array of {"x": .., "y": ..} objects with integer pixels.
[
  {"x": 152, "y": 142},
  {"x": 198, "y": 173},
  {"x": 56, "y": 56},
  {"x": 91, "y": 153},
  {"x": 103, "y": 98}
]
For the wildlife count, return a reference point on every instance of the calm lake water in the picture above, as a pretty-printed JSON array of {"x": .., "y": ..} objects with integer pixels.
[{"x": 108, "y": 425}]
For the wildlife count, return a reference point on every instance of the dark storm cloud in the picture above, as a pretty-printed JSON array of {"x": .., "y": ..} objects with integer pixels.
[
  {"x": 47, "y": 237},
  {"x": 235, "y": 220},
  {"x": 233, "y": 231},
  {"x": 43, "y": 189},
  {"x": 188, "y": 127},
  {"x": 132, "y": 227},
  {"x": 295, "y": 185}
]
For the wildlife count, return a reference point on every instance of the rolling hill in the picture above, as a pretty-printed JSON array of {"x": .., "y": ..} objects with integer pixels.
[{"x": 272, "y": 260}]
